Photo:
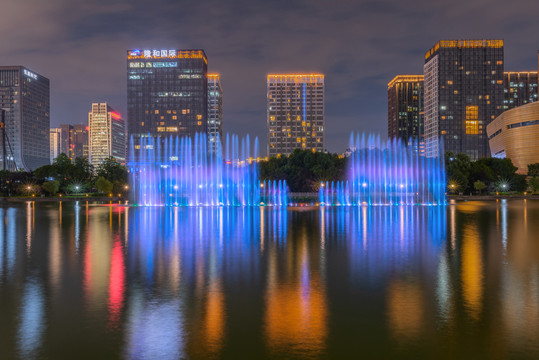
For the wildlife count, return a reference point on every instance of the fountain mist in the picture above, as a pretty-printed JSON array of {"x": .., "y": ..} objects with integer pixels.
[
  {"x": 387, "y": 173},
  {"x": 179, "y": 171}
]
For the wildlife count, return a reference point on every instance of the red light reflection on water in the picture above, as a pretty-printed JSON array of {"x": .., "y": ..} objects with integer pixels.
[{"x": 116, "y": 282}]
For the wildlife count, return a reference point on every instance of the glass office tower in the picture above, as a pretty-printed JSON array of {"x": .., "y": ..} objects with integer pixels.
[
  {"x": 463, "y": 84},
  {"x": 167, "y": 93},
  {"x": 25, "y": 99},
  {"x": 405, "y": 110},
  {"x": 520, "y": 88}
]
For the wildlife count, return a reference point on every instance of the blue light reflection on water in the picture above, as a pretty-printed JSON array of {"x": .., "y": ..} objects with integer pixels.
[{"x": 204, "y": 282}]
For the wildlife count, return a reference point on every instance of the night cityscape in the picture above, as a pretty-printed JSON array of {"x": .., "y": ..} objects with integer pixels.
[{"x": 259, "y": 180}]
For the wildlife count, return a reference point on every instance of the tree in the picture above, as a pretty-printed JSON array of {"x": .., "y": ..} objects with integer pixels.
[
  {"x": 533, "y": 170},
  {"x": 103, "y": 185},
  {"x": 534, "y": 184},
  {"x": 112, "y": 170},
  {"x": 82, "y": 170},
  {"x": 458, "y": 169},
  {"x": 479, "y": 186},
  {"x": 303, "y": 170},
  {"x": 51, "y": 187}
]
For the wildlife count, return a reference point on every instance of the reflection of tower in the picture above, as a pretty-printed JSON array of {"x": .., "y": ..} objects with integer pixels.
[
  {"x": 97, "y": 259},
  {"x": 296, "y": 308}
]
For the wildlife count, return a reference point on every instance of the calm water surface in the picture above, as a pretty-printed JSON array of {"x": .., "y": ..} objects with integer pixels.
[{"x": 85, "y": 281}]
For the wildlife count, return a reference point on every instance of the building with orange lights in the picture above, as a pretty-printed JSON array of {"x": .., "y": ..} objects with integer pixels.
[
  {"x": 405, "y": 110},
  {"x": 520, "y": 88},
  {"x": 167, "y": 93},
  {"x": 464, "y": 92},
  {"x": 295, "y": 113},
  {"x": 73, "y": 140},
  {"x": 215, "y": 112},
  {"x": 54, "y": 140},
  {"x": 107, "y": 134},
  {"x": 515, "y": 135}
]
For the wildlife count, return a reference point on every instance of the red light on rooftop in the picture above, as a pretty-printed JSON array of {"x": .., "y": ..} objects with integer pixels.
[{"x": 115, "y": 115}]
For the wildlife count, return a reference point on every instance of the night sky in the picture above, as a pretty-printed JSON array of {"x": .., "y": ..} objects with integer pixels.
[{"x": 359, "y": 45}]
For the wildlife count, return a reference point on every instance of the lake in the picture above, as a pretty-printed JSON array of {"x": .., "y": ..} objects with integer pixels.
[{"x": 95, "y": 281}]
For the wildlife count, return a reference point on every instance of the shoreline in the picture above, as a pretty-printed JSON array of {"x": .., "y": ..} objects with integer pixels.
[{"x": 61, "y": 199}]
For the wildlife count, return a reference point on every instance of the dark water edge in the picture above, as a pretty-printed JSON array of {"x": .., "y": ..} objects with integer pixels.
[{"x": 92, "y": 281}]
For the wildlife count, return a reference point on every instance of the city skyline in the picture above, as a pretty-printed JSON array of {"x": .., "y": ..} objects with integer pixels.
[{"x": 355, "y": 45}]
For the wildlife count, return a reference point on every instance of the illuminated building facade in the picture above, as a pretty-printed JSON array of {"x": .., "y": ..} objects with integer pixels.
[
  {"x": 295, "y": 113},
  {"x": 107, "y": 134},
  {"x": 25, "y": 97},
  {"x": 520, "y": 88},
  {"x": 215, "y": 112},
  {"x": 515, "y": 135},
  {"x": 167, "y": 93},
  {"x": 54, "y": 140},
  {"x": 463, "y": 92},
  {"x": 80, "y": 140},
  {"x": 405, "y": 110},
  {"x": 74, "y": 140}
]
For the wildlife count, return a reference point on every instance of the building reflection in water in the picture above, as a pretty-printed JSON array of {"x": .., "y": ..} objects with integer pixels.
[
  {"x": 215, "y": 282},
  {"x": 296, "y": 306},
  {"x": 520, "y": 278},
  {"x": 32, "y": 319}
]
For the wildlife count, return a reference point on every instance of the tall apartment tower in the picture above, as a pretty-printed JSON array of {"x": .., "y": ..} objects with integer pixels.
[
  {"x": 520, "y": 88},
  {"x": 54, "y": 138},
  {"x": 80, "y": 140},
  {"x": 405, "y": 110},
  {"x": 167, "y": 93},
  {"x": 215, "y": 112},
  {"x": 463, "y": 93},
  {"x": 25, "y": 97},
  {"x": 107, "y": 135},
  {"x": 295, "y": 113}
]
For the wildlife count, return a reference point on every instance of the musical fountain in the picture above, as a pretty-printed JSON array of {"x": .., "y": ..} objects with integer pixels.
[
  {"x": 180, "y": 171},
  {"x": 387, "y": 173}
]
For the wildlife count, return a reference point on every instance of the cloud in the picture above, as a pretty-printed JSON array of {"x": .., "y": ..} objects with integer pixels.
[{"x": 358, "y": 45}]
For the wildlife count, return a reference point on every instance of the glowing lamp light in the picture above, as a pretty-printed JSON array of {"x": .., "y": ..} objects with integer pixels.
[
  {"x": 175, "y": 187},
  {"x": 200, "y": 186},
  {"x": 364, "y": 184}
]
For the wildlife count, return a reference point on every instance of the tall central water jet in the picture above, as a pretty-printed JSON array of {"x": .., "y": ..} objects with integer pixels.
[
  {"x": 387, "y": 173},
  {"x": 180, "y": 171}
]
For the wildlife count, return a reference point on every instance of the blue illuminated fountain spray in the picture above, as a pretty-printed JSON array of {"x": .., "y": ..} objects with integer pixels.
[
  {"x": 387, "y": 173},
  {"x": 180, "y": 171}
]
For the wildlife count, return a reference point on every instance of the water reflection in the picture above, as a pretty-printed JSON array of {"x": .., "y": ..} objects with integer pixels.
[
  {"x": 32, "y": 321},
  {"x": 150, "y": 283}
]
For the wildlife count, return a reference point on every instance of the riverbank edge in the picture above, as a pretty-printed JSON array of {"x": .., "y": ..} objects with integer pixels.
[{"x": 62, "y": 199}]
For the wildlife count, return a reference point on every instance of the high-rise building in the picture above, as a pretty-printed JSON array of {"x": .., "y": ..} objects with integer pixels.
[
  {"x": 54, "y": 138},
  {"x": 167, "y": 93},
  {"x": 520, "y": 88},
  {"x": 79, "y": 138},
  {"x": 25, "y": 97},
  {"x": 463, "y": 88},
  {"x": 107, "y": 134},
  {"x": 66, "y": 142},
  {"x": 74, "y": 140},
  {"x": 215, "y": 112},
  {"x": 405, "y": 110},
  {"x": 295, "y": 113}
]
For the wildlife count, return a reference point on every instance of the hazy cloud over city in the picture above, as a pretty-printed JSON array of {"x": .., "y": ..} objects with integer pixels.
[{"x": 359, "y": 45}]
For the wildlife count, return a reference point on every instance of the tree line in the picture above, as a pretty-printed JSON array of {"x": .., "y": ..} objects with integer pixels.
[
  {"x": 488, "y": 175},
  {"x": 66, "y": 176}
]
